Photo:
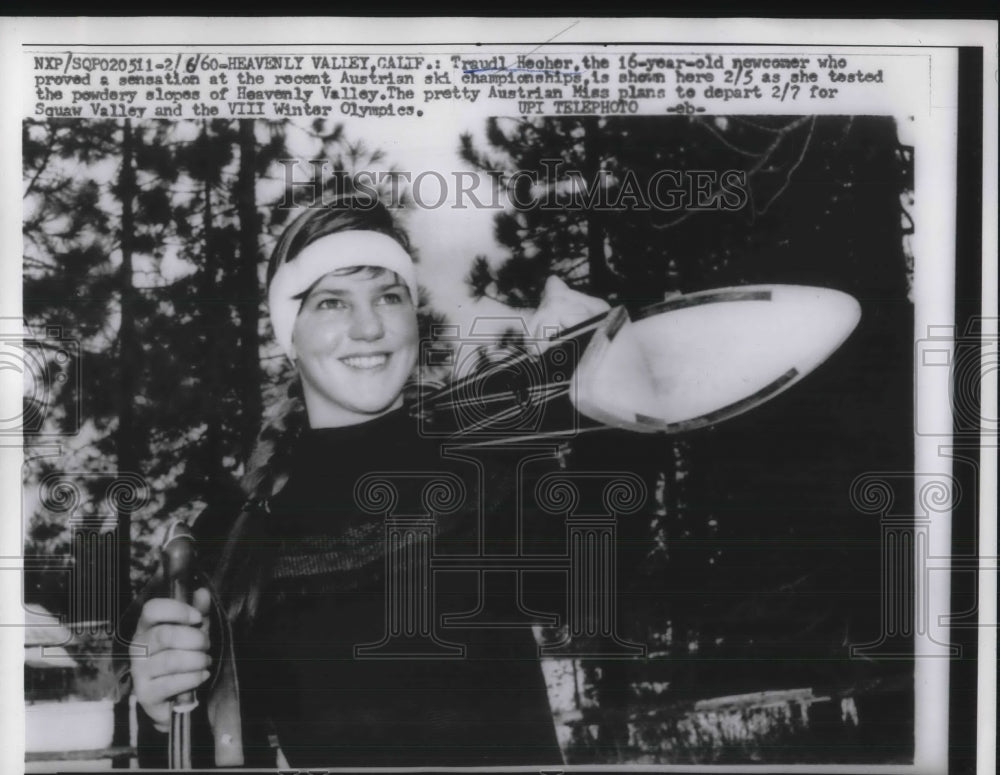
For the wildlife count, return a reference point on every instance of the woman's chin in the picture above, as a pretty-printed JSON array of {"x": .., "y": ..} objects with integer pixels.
[
  {"x": 374, "y": 405},
  {"x": 374, "y": 410}
]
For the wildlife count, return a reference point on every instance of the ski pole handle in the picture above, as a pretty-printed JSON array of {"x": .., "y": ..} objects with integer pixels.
[{"x": 178, "y": 557}]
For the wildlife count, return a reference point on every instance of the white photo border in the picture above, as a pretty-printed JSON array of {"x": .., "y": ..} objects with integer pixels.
[{"x": 969, "y": 268}]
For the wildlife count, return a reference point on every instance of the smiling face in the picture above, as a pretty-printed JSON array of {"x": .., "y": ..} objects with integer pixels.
[{"x": 355, "y": 344}]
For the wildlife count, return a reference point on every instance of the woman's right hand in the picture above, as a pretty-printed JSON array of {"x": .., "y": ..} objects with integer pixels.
[{"x": 175, "y": 658}]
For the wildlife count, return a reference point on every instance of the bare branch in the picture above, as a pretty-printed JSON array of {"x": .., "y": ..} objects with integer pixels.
[
  {"x": 718, "y": 135},
  {"x": 791, "y": 170}
]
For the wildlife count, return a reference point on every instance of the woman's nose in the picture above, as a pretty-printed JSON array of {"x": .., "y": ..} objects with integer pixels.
[{"x": 366, "y": 324}]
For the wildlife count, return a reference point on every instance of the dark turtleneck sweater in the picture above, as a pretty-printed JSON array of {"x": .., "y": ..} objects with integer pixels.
[{"x": 299, "y": 675}]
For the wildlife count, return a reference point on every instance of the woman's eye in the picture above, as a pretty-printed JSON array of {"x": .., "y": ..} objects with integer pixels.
[
  {"x": 391, "y": 298},
  {"x": 330, "y": 303}
]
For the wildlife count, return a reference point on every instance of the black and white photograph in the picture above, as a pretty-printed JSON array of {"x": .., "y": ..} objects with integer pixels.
[{"x": 524, "y": 396}]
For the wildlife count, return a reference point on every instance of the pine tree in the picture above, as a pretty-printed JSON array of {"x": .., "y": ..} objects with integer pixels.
[{"x": 738, "y": 548}]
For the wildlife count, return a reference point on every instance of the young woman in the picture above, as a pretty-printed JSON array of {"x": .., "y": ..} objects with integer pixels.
[{"x": 299, "y": 577}]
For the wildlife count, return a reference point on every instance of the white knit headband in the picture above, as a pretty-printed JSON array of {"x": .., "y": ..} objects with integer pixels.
[{"x": 339, "y": 250}]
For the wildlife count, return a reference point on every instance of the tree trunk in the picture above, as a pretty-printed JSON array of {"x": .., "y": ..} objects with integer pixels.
[
  {"x": 599, "y": 275},
  {"x": 128, "y": 352},
  {"x": 249, "y": 304},
  {"x": 215, "y": 326}
]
